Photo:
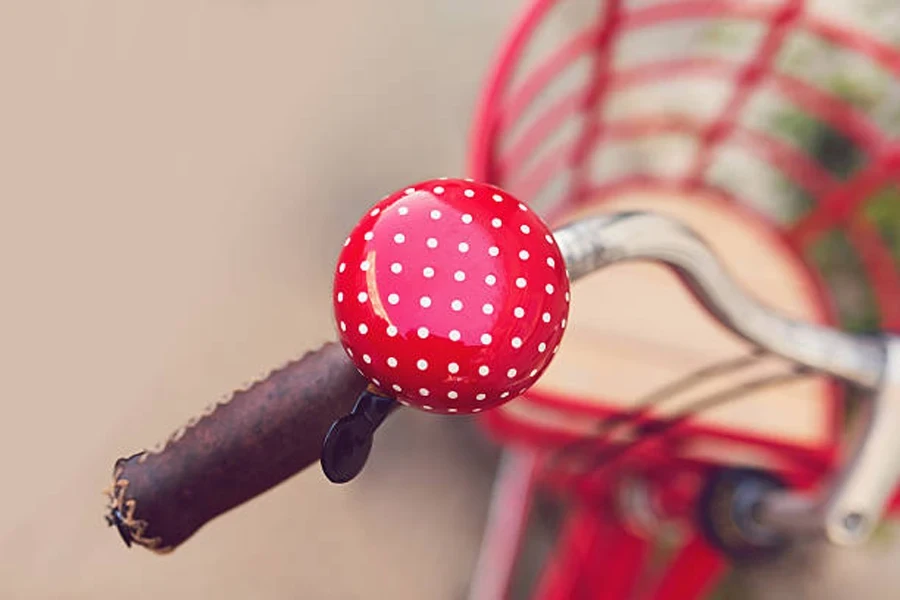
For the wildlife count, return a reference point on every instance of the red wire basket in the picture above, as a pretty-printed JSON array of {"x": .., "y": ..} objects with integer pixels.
[{"x": 780, "y": 114}]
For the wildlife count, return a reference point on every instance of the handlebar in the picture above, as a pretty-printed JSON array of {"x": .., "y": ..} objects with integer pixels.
[
  {"x": 595, "y": 243},
  {"x": 234, "y": 452},
  {"x": 276, "y": 428},
  {"x": 855, "y": 501}
]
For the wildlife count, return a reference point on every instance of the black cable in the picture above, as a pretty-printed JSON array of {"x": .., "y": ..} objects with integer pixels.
[
  {"x": 695, "y": 408},
  {"x": 652, "y": 400}
]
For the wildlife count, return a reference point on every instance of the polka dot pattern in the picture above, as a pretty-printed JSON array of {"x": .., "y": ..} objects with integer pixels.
[{"x": 459, "y": 290}]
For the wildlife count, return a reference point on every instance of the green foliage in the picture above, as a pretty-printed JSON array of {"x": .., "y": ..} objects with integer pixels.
[
  {"x": 839, "y": 264},
  {"x": 837, "y": 259},
  {"x": 848, "y": 86},
  {"x": 884, "y": 211},
  {"x": 732, "y": 587}
]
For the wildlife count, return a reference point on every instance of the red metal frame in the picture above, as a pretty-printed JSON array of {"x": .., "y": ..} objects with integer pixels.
[
  {"x": 793, "y": 453},
  {"x": 514, "y": 491},
  {"x": 598, "y": 556},
  {"x": 592, "y": 546}
]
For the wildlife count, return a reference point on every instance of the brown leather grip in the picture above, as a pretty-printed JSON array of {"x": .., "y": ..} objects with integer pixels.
[{"x": 233, "y": 452}]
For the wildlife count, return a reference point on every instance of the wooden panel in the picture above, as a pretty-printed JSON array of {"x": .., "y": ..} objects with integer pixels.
[{"x": 635, "y": 328}]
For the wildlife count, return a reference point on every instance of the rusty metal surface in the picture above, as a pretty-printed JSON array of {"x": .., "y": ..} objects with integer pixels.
[{"x": 234, "y": 451}]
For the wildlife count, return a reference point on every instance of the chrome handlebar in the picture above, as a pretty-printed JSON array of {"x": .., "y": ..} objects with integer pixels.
[{"x": 848, "y": 510}]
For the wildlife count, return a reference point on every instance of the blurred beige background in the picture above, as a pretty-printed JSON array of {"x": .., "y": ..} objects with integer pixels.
[{"x": 175, "y": 180}]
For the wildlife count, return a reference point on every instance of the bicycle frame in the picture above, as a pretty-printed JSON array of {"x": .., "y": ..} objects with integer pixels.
[
  {"x": 599, "y": 554},
  {"x": 857, "y": 500},
  {"x": 845, "y": 512}
]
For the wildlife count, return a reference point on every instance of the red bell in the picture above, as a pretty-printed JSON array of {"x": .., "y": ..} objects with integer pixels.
[{"x": 451, "y": 296}]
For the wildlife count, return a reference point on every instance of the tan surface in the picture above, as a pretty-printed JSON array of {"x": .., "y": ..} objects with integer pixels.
[
  {"x": 176, "y": 179},
  {"x": 635, "y": 328}
]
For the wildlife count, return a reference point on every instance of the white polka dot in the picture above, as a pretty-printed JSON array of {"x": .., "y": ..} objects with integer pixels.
[
  {"x": 467, "y": 218},
  {"x": 364, "y": 265},
  {"x": 483, "y": 370},
  {"x": 504, "y": 395},
  {"x": 399, "y": 238},
  {"x": 545, "y": 317},
  {"x": 368, "y": 236},
  {"x": 409, "y": 190},
  {"x": 375, "y": 212},
  {"x": 456, "y": 305},
  {"x": 516, "y": 342},
  {"x": 391, "y": 330},
  {"x": 391, "y": 361},
  {"x": 520, "y": 282},
  {"x": 496, "y": 223},
  {"x": 438, "y": 190},
  {"x": 422, "y": 332},
  {"x": 342, "y": 267},
  {"x": 522, "y": 207},
  {"x": 533, "y": 373},
  {"x": 396, "y": 268},
  {"x": 376, "y": 382},
  {"x": 469, "y": 193},
  {"x": 397, "y": 388},
  {"x": 486, "y": 338},
  {"x": 487, "y": 309},
  {"x": 423, "y": 391},
  {"x": 555, "y": 350},
  {"x": 367, "y": 358},
  {"x": 477, "y": 410},
  {"x": 343, "y": 326},
  {"x": 549, "y": 238},
  {"x": 542, "y": 346},
  {"x": 393, "y": 298},
  {"x": 362, "y": 296},
  {"x": 435, "y": 214},
  {"x": 525, "y": 229},
  {"x": 551, "y": 262},
  {"x": 403, "y": 402},
  {"x": 428, "y": 272},
  {"x": 454, "y": 335},
  {"x": 363, "y": 328},
  {"x": 494, "y": 251},
  {"x": 480, "y": 396},
  {"x": 490, "y": 279},
  {"x": 511, "y": 373},
  {"x": 453, "y": 367},
  {"x": 459, "y": 276},
  {"x": 563, "y": 324},
  {"x": 452, "y": 410},
  {"x": 519, "y": 312},
  {"x": 421, "y": 364},
  {"x": 452, "y": 395},
  {"x": 497, "y": 198},
  {"x": 340, "y": 297},
  {"x": 403, "y": 210},
  {"x": 463, "y": 247},
  {"x": 549, "y": 288},
  {"x": 567, "y": 296},
  {"x": 431, "y": 242},
  {"x": 346, "y": 242},
  {"x": 523, "y": 254},
  {"x": 427, "y": 407},
  {"x": 350, "y": 353},
  {"x": 424, "y": 301}
]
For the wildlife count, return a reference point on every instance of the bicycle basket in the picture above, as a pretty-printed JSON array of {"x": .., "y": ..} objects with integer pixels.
[{"x": 766, "y": 126}]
